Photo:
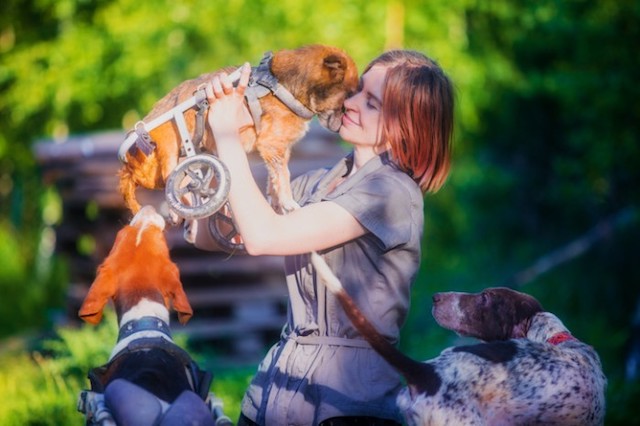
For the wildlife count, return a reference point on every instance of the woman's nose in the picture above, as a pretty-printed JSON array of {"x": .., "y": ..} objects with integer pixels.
[
  {"x": 347, "y": 104},
  {"x": 350, "y": 102}
]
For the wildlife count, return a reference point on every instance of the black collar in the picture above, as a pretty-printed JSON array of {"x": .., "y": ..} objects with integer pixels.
[{"x": 144, "y": 324}]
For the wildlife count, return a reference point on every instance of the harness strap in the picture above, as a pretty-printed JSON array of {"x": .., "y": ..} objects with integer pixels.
[
  {"x": 202, "y": 105},
  {"x": 261, "y": 83},
  {"x": 252, "y": 95},
  {"x": 143, "y": 141},
  {"x": 264, "y": 77},
  {"x": 292, "y": 103}
]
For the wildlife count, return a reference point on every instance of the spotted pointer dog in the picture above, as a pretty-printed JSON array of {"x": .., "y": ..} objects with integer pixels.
[{"x": 529, "y": 371}]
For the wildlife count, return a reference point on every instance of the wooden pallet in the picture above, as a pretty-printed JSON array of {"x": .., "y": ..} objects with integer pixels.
[{"x": 239, "y": 301}]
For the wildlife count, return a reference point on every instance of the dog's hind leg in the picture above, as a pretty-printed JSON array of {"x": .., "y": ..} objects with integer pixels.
[{"x": 127, "y": 187}]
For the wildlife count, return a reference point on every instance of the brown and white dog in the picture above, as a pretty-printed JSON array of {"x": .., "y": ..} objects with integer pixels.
[
  {"x": 138, "y": 275},
  {"x": 529, "y": 371},
  {"x": 317, "y": 77},
  {"x": 143, "y": 283}
]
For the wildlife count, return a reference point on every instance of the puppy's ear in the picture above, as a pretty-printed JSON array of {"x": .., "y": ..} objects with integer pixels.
[
  {"x": 104, "y": 286},
  {"x": 99, "y": 294},
  {"x": 336, "y": 66},
  {"x": 177, "y": 295}
]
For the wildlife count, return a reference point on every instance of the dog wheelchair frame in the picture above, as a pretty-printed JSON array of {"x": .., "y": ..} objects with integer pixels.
[
  {"x": 93, "y": 402},
  {"x": 93, "y": 406},
  {"x": 193, "y": 177}
]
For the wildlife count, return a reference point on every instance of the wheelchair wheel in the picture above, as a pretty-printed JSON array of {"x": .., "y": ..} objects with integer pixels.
[
  {"x": 223, "y": 230},
  {"x": 198, "y": 187}
]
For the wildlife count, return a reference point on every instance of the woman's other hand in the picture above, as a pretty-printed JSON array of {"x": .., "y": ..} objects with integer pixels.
[{"x": 227, "y": 112}]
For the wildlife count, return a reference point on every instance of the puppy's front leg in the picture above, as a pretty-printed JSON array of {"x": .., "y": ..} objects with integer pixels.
[{"x": 279, "y": 182}]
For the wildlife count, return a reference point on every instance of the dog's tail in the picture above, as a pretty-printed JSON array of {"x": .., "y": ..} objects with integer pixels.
[{"x": 420, "y": 377}]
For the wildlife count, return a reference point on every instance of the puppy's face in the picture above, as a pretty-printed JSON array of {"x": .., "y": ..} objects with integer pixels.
[
  {"x": 493, "y": 314},
  {"x": 321, "y": 77}
]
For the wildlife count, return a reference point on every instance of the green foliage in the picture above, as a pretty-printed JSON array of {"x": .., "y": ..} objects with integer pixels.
[
  {"x": 42, "y": 388},
  {"x": 34, "y": 392},
  {"x": 76, "y": 351},
  {"x": 623, "y": 397},
  {"x": 28, "y": 282},
  {"x": 230, "y": 385}
]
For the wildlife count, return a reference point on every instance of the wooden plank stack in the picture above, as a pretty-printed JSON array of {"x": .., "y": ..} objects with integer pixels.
[{"x": 239, "y": 301}]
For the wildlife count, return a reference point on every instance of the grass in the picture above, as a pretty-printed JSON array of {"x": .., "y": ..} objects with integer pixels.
[{"x": 35, "y": 392}]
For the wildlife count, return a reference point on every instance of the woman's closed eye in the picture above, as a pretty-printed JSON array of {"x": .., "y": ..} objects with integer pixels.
[{"x": 373, "y": 102}]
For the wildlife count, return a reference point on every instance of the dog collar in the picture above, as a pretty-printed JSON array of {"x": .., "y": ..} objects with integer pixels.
[
  {"x": 563, "y": 336},
  {"x": 143, "y": 324}
]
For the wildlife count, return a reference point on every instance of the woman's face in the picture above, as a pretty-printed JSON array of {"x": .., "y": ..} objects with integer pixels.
[{"x": 362, "y": 120}]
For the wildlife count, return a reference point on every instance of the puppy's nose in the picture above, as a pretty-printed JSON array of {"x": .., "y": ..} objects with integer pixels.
[{"x": 437, "y": 297}]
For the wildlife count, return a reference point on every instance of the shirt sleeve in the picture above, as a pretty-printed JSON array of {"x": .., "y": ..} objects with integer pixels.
[
  {"x": 382, "y": 205},
  {"x": 303, "y": 185}
]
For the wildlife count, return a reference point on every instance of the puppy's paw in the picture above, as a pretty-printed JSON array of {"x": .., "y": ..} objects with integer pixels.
[
  {"x": 173, "y": 219},
  {"x": 190, "y": 231},
  {"x": 287, "y": 206}
]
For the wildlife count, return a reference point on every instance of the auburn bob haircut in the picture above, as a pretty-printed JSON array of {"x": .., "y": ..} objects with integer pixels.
[{"x": 417, "y": 116}]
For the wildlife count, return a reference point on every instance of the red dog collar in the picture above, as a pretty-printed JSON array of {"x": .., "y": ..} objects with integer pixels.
[{"x": 561, "y": 337}]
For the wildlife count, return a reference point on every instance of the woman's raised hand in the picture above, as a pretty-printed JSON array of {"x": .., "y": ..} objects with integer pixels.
[{"x": 227, "y": 113}]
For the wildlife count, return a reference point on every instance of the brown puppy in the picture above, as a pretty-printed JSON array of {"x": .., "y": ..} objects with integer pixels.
[{"x": 319, "y": 78}]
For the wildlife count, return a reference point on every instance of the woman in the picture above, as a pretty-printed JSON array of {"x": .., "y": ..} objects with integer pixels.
[{"x": 365, "y": 217}]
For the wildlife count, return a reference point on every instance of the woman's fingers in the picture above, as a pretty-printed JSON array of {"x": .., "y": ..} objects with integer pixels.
[
  {"x": 221, "y": 85},
  {"x": 227, "y": 85},
  {"x": 208, "y": 90},
  {"x": 216, "y": 86},
  {"x": 245, "y": 73}
]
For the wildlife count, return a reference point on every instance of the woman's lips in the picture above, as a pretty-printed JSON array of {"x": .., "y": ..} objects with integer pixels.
[{"x": 346, "y": 120}]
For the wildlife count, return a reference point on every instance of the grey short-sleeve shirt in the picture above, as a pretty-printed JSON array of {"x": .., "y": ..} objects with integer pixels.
[{"x": 322, "y": 368}]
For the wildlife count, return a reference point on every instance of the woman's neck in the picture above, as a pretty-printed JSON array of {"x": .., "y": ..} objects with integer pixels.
[{"x": 362, "y": 155}]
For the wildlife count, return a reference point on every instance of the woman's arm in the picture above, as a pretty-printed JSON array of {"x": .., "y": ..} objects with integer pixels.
[{"x": 313, "y": 227}]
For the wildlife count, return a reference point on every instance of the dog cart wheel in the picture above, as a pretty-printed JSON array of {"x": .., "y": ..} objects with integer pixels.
[
  {"x": 198, "y": 187},
  {"x": 224, "y": 232}
]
